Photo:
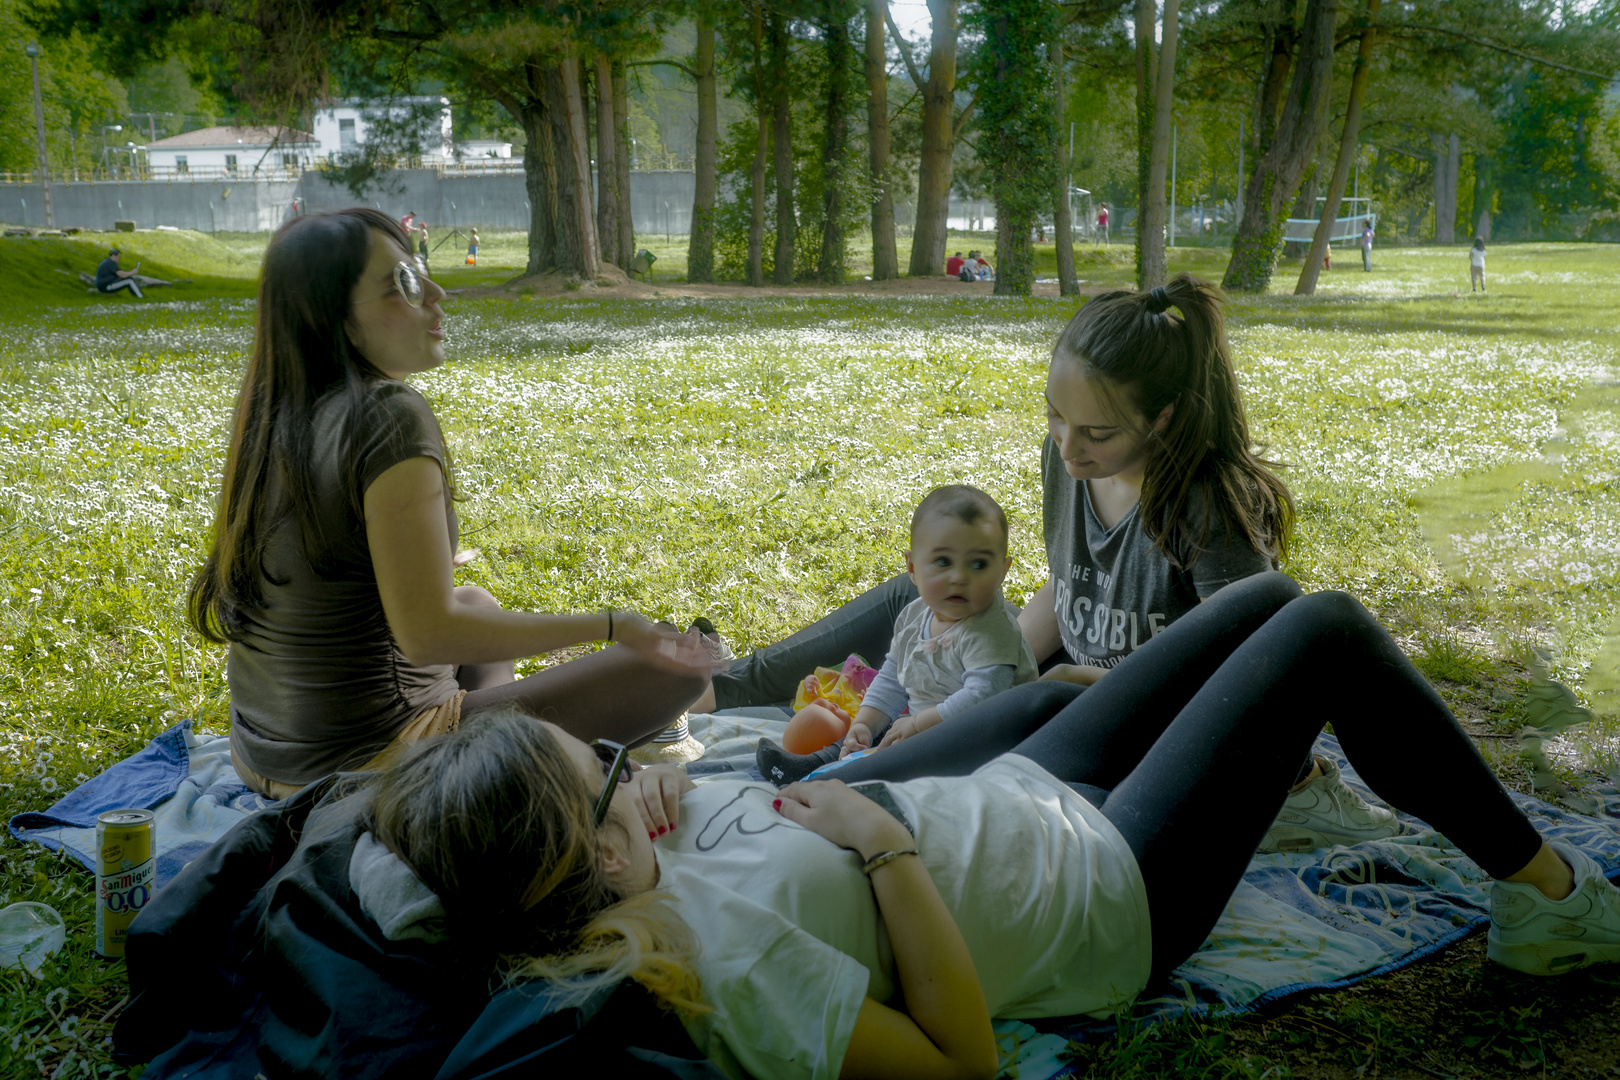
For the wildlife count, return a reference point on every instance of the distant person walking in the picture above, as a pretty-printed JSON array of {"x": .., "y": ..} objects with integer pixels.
[
  {"x": 1102, "y": 222},
  {"x": 1366, "y": 247},
  {"x": 110, "y": 279},
  {"x": 472, "y": 249},
  {"x": 1476, "y": 265},
  {"x": 422, "y": 245}
]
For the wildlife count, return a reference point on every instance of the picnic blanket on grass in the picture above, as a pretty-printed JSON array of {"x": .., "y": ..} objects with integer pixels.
[{"x": 1296, "y": 923}]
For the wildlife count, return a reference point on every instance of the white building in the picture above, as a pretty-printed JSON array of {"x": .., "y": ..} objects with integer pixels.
[
  {"x": 232, "y": 151},
  {"x": 482, "y": 149},
  {"x": 345, "y": 125}
]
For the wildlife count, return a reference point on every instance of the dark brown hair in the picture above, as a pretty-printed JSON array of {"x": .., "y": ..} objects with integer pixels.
[
  {"x": 1148, "y": 358},
  {"x": 965, "y": 503},
  {"x": 301, "y": 351}
]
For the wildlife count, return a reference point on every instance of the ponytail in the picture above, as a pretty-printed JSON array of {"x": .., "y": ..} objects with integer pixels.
[{"x": 1150, "y": 359}]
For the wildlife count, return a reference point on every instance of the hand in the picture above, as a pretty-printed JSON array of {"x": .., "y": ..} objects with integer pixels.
[
  {"x": 903, "y": 728},
  {"x": 1079, "y": 674},
  {"x": 663, "y": 646},
  {"x": 859, "y": 738},
  {"x": 656, "y": 792},
  {"x": 849, "y": 819},
  {"x": 909, "y": 725}
]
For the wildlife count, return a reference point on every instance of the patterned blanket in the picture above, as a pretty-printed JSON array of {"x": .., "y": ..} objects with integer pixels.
[{"x": 1296, "y": 922}]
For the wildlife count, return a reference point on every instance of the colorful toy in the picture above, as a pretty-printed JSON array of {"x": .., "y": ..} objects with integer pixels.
[{"x": 843, "y": 687}]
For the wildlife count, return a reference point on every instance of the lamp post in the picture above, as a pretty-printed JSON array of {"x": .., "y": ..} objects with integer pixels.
[{"x": 32, "y": 50}]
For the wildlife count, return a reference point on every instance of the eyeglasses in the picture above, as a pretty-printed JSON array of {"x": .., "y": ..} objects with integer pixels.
[
  {"x": 407, "y": 282},
  {"x": 616, "y": 767}
]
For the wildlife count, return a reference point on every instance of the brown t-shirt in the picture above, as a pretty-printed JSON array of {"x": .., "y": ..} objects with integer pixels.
[{"x": 317, "y": 683}]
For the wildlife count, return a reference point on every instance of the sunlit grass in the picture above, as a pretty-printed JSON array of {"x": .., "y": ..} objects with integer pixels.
[{"x": 1454, "y": 458}]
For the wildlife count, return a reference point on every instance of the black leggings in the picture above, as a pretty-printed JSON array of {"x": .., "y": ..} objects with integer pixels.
[{"x": 1190, "y": 745}]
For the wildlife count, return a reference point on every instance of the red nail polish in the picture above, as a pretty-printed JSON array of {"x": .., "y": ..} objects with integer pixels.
[
  {"x": 661, "y": 830},
  {"x": 652, "y": 836},
  {"x": 776, "y": 804}
]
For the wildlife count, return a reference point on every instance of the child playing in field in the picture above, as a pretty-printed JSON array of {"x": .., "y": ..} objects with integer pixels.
[
  {"x": 1476, "y": 265},
  {"x": 954, "y": 646}
]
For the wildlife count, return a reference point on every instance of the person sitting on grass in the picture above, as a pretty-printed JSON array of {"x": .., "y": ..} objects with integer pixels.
[
  {"x": 954, "y": 646},
  {"x": 331, "y": 570},
  {"x": 825, "y": 930},
  {"x": 110, "y": 279}
]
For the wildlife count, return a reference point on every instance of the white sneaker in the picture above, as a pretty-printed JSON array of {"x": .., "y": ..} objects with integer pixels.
[
  {"x": 1325, "y": 812},
  {"x": 1538, "y": 936}
]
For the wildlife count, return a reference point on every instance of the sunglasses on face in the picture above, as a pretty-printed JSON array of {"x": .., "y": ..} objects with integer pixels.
[
  {"x": 616, "y": 767},
  {"x": 408, "y": 280}
]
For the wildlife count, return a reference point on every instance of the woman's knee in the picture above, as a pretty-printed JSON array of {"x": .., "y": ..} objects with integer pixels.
[{"x": 1273, "y": 587}]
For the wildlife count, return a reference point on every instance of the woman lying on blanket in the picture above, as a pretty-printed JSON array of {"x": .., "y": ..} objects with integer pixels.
[
  {"x": 331, "y": 568},
  {"x": 1057, "y": 877}
]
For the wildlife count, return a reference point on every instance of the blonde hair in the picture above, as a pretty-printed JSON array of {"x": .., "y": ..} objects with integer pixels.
[{"x": 497, "y": 821}]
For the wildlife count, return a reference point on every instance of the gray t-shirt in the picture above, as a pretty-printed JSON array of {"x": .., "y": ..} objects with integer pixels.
[
  {"x": 1111, "y": 590},
  {"x": 318, "y": 683}
]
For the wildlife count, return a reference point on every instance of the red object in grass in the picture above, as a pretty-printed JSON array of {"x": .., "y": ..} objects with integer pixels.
[{"x": 818, "y": 724}]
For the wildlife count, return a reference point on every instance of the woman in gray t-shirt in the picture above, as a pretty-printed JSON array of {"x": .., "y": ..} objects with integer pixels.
[{"x": 330, "y": 576}]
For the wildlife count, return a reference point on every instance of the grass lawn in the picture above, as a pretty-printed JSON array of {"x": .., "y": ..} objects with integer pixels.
[{"x": 1454, "y": 458}]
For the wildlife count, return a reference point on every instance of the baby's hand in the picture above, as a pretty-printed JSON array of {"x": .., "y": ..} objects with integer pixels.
[{"x": 858, "y": 739}]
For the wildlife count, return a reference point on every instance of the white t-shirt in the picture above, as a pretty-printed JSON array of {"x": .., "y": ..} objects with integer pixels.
[
  {"x": 1476, "y": 257},
  {"x": 1046, "y": 892}
]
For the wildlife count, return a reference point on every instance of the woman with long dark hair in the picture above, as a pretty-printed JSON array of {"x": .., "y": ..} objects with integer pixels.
[{"x": 330, "y": 572}]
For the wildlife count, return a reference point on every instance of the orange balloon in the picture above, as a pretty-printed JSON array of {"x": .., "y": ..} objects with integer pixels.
[{"x": 817, "y": 725}]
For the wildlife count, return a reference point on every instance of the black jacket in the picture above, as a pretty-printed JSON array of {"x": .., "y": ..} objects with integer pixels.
[{"x": 256, "y": 959}]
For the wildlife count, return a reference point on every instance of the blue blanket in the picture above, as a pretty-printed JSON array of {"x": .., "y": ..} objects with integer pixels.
[{"x": 1295, "y": 923}]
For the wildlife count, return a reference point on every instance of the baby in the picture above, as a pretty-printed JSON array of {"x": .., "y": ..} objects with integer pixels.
[{"x": 955, "y": 645}]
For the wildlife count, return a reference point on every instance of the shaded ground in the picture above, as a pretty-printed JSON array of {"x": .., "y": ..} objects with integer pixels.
[{"x": 613, "y": 283}]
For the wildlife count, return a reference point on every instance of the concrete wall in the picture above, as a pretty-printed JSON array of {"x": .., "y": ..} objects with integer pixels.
[
  {"x": 660, "y": 201},
  {"x": 209, "y": 206}
]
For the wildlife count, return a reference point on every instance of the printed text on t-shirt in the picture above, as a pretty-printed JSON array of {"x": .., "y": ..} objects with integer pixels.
[{"x": 1108, "y": 629}]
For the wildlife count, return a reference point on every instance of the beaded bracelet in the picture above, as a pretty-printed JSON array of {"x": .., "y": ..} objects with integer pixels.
[{"x": 884, "y": 858}]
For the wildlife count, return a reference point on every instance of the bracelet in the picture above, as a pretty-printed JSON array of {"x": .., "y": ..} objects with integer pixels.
[
  {"x": 884, "y": 858},
  {"x": 609, "y": 613}
]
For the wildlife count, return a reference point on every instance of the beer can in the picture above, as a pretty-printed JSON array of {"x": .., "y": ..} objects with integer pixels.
[{"x": 126, "y": 874}]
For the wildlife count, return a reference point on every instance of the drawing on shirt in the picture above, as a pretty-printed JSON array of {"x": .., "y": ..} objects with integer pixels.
[{"x": 731, "y": 814}]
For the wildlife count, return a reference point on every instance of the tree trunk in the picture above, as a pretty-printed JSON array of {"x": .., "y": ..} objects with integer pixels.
[
  {"x": 588, "y": 261},
  {"x": 1278, "y": 173},
  {"x": 700, "y": 247},
  {"x": 1447, "y": 166},
  {"x": 1062, "y": 220},
  {"x": 938, "y": 142},
  {"x": 610, "y": 200},
  {"x": 1304, "y": 207},
  {"x": 885, "y": 260},
  {"x": 782, "y": 135},
  {"x": 566, "y": 247},
  {"x": 1282, "y": 37},
  {"x": 1484, "y": 195},
  {"x": 1347, "y": 154},
  {"x": 756, "y": 175},
  {"x": 540, "y": 184},
  {"x": 1144, "y": 19},
  {"x": 1153, "y": 267},
  {"x": 830, "y": 263},
  {"x": 621, "y": 161}
]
